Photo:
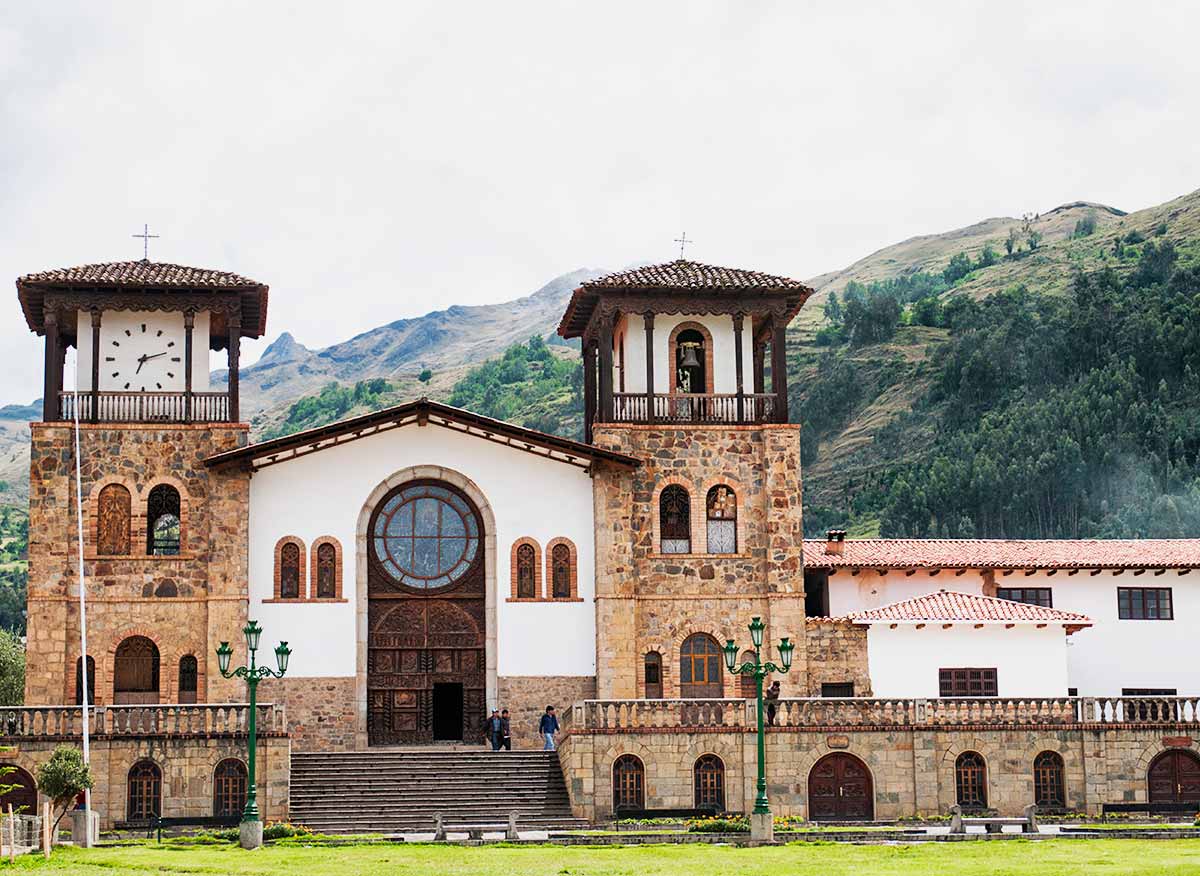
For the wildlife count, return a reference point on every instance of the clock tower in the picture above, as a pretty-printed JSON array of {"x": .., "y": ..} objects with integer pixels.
[{"x": 165, "y": 538}]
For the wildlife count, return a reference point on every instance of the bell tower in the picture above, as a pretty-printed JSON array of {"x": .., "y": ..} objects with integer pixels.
[
  {"x": 165, "y": 538},
  {"x": 706, "y": 533}
]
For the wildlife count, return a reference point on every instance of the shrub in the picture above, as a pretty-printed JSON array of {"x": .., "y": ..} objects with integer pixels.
[
  {"x": 63, "y": 778},
  {"x": 284, "y": 830}
]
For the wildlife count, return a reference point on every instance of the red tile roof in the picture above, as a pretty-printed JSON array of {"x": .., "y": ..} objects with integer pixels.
[
  {"x": 948, "y": 606},
  {"x": 942, "y": 553},
  {"x": 139, "y": 273},
  {"x": 683, "y": 274}
]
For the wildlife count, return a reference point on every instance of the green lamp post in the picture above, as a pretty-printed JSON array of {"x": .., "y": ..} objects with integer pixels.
[
  {"x": 251, "y": 829},
  {"x": 762, "y": 826}
]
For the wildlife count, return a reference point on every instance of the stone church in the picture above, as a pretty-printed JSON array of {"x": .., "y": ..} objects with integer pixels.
[{"x": 427, "y": 564}]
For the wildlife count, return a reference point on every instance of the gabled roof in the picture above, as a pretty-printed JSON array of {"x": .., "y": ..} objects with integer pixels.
[
  {"x": 954, "y": 553},
  {"x": 949, "y": 606},
  {"x": 143, "y": 276},
  {"x": 682, "y": 278},
  {"x": 421, "y": 412}
]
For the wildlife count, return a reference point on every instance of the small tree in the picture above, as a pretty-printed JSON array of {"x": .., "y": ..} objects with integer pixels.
[
  {"x": 63, "y": 778},
  {"x": 1010, "y": 243},
  {"x": 12, "y": 669},
  {"x": 425, "y": 376}
]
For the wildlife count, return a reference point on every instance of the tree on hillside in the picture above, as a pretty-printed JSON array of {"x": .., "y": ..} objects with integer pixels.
[
  {"x": 1010, "y": 243},
  {"x": 12, "y": 669},
  {"x": 425, "y": 376},
  {"x": 1033, "y": 237}
]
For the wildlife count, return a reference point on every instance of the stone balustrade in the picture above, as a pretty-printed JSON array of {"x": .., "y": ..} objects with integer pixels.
[
  {"x": 178, "y": 720},
  {"x": 617, "y": 716}
]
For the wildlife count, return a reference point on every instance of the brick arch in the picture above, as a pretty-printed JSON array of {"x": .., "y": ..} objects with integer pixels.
[
  {"x": 488, "y": 516},
  {"x": 184, "y": 511},
  {"x": 303, "y": 577},
  {"x": 672, "y": 358},
  {"x": 572, "y": 575},
  {"x": 656, "y": 523},
  {"x": 805, "y": 764},
  {"x": 201, "y": 692},
  {"x": 676, "y": 654},
  {"x": 739, "y": 495},
  {"x": 168, "y": 665},
  {"x": 137, "y": 516},
  {"x": 337, "y": 570},
  {"x": 538, "y": 592}
]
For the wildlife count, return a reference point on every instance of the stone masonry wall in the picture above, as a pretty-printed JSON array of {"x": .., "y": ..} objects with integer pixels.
[
  {"x": 320, "y": 711},
  {"x": 836, "y": 653},
  {"x": 649, "y": 601},
  {"x": 131, "y": 595},
  {"x": 526, "y": 698},
  {"x": 912, "y": 770}
]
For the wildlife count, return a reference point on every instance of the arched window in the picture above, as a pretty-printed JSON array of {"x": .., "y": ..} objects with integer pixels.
[
  {"x": 721, "y": 512},
  {"x": 675, "y": 520},
  {"x": 112, "y": 521},
  {"x": 709, "y": 775},
  {"x": 327, "y": 571},
  {"x": 229, "y": 787},
  {"x": 162, "y": 521},
  {"x": 289, "y": 571},
  {"x": 1049, "y": 786},
  {"x": 24, "y": 796},
  {"x": 91, "y": 683},
  {"x": 527, "y": 564},
  {"x": 700, "y": 667},
  {"x": 188, "y": 679},
  {"x": 135, "y": 672},
  {"x": 970, "y": 780},
  {"x": 561, "y": 569},
  {"x": 145, "y": 791},
  {"x": 629, "y": 783},
  {"x": 747, "y": 688},
  {"x": 653, "y": 676},
  {"x": 691, "y": 371}
]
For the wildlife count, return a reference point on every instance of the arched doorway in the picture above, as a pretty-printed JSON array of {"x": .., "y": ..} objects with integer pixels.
[
  {"x": 426, "y": 618},
  {"x": 1174, "y": 777},
  {"x": 135, "y": 672},
  {"x": 23, "y": 798},
  {"x": 839, "y": 789},
  {"x": 701, "y": 668}
]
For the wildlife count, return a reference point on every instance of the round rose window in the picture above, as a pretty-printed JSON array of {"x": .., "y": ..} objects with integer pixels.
[{"x": 426, "y": 536}]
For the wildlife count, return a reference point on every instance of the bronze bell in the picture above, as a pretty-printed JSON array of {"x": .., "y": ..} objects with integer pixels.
[{"x": 689, "y": 357}]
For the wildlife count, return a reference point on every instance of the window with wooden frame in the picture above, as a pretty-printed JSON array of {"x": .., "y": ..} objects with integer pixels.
[
  {"x": 968, "y": 682},
  {"x": 1144, "y": 603},
  {"x": 144, "y": 798},
  {"x": 189, "y": 679},
  {"x": 708, "y": 775},
  {"x": 229, "y": 788},
  {"x": 652, "y": 676},
  {"x": 326, "y": 570},
  {"x": 629, "y": 783},
  {"x": 1049, "y": 784},
  {"x": 113, "y": 509},
  {"x": 1042, "y": 596},
  {"x": 970, "y": 780},
  {"x": 721, "y": 516},
  {"x": 837, "y": 689},
  {"x": 700, "y": 668},
  {"x": 675, "y": 520},
  {"x": 289, "y": 569},
  {"x": 560, "y": 571},
  {"x": 526, "y": 566},
  {"x": 163, "y": 527},
  {"x": 135, "y": 672}
]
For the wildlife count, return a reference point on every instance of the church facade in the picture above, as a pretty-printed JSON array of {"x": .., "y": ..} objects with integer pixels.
[{"x": 427, "y": 564}]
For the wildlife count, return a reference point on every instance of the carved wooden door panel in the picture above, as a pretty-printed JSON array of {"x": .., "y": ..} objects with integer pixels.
[
  {"x": 425, "y": 617},
  {"x": 839, "y": 789},
  {"x": 1174, "y": 777}
]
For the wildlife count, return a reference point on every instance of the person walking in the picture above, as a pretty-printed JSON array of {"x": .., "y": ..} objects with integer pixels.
[
  {"x": 493, "y": 729},
  {"x": 505, "y": 731},
  {"x": 548, "y": 726},
  {"x": 772, "y": 698}
]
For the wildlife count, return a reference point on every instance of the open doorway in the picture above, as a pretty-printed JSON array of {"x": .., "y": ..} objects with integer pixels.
[{"x": 448, "y": 711}]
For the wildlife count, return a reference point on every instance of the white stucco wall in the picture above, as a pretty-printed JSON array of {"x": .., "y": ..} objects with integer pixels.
[
  {"x": 724, "y": 363},
  {"x": 1029, "y": 662},
  {"x": 323, "y": 494},
  {"x": 113, "y": 324}
]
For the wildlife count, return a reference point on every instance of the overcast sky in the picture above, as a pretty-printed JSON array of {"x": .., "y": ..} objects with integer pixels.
[{"x": 376, "y": 161}]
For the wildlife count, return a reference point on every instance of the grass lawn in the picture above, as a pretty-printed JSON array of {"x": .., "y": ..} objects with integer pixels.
[{"x": 1017, "y": 857}]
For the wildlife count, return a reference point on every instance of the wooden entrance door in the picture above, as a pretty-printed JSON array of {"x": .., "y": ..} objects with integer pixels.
[
  {"x": 839, "y": 789},
  {"x": 426, "y": 624},
  {"x": 1174, "y": 777}
]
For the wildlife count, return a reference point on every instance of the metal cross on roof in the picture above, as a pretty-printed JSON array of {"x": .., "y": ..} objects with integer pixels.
[
  {"x": 683, "y": 241},
  {"x": 145, "y": 236}
]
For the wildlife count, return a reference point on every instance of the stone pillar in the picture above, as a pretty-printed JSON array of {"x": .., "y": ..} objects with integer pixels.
[
  {"x": 779, "y": 368},
  {"x": 925, "y": 773}
]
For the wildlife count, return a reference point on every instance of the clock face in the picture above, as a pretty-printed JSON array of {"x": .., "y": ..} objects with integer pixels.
[{"x": 142, "y": 357}]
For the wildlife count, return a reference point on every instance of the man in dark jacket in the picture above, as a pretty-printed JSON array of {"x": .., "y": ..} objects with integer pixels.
[
  {"x": 493, "y": 728},
  {"x": 548, "y": 726},
  {"x": 505, "y": 731}
]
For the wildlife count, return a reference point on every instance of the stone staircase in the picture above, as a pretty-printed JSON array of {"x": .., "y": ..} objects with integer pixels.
[{"x": 399, "y": 790}]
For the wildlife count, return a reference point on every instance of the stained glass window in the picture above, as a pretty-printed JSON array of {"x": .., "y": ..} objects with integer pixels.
[
  {"x": 675, "y": 520},
  {"x": 426, "y": 536}
]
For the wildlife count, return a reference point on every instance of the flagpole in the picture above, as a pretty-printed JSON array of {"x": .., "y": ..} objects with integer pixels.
[{"x": 83, "y": 661}]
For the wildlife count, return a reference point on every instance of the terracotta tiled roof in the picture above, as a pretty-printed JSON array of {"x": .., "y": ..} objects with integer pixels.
[
  {"x": 948, "y": 606},
  {"x": 941, "y": 553},
  {"x": 683, "y": 274},
  {"x": 140, "y": 273}
]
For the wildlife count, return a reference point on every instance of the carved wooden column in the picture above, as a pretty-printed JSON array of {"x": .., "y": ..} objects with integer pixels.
[
  {"x": 738, "y": 322},
  {"x": 189, "y": 325},
  {"x": 779, "y": 367},
  {"x": 606, "y": 367},
  {"x": 235, "y": 350},
  {"x": 759, "y": 378},
  {"x": 648, "y": 317},
  {"x": 95, "y": 417},
  {"x": 589, "y": 388},
  {"x": 52, "y": 373}
]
